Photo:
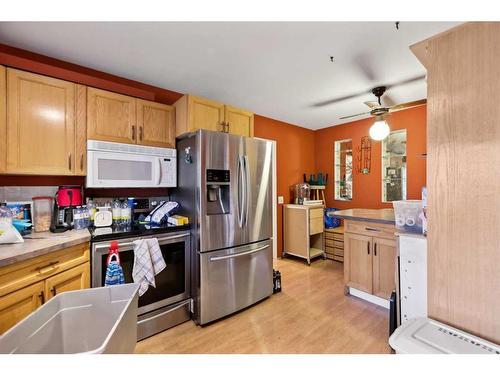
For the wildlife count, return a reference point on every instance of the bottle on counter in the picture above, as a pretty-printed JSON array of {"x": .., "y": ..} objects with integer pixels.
[
  {"x": 92, "y": 209},
  {"x": 117, "y": 212},
  {"x": 85, "y": 216},
  {"x": 77, "y": 218},
  {"x": 126, "y": 214}
]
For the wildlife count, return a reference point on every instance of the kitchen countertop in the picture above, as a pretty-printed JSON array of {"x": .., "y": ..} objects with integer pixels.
[
  {"x": 383, "y": 216},
  {"x": 37, "y": 244}
]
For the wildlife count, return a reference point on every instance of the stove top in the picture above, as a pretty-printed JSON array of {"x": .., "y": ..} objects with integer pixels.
[{"x": 134, "y": 230}]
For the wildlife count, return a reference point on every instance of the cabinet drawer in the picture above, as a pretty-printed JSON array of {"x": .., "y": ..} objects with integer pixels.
[
  {"x": 338, "y": 251},
  {"x": 19, "y": 275},
  {"x": 328, "y": 242},
  {"x": 370, "y": 229},
  {"x": 315, "y": 225},
  {"x": 315, "y": 213},
  {"x": 329, "y": 235},
  {"x": 338, "y": 237}
]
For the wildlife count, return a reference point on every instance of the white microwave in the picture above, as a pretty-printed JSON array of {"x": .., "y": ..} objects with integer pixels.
[{"x": 120, "y": 165}]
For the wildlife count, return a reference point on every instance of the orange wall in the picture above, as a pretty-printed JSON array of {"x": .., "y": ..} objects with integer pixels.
[
  {"x": 367, "y": 189},
  {"x": 294, "y": 157}
]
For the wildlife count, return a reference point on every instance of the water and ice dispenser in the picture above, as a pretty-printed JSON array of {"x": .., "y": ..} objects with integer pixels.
[{"x": 218, "y": 191}]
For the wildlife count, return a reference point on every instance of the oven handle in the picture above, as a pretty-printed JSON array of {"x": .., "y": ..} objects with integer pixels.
[
  {"x": 214, "y": 259},
  {"x": 130, "y": 243},
  {"x": 165, "y": 312}
]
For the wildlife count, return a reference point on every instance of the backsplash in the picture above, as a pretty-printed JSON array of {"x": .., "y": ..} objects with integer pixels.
[{"x": 25, "y": 193}]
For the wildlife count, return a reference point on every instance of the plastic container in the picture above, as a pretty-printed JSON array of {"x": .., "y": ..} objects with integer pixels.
[
  {"x": 427, "y": 336},
  {"x": 117, "y": 212},
  {"x": 93, "y": 321},
  {"x": 408, "y": 215},
  {"x": 42, "y": 213},
  {"x": 330, "y": 221}
]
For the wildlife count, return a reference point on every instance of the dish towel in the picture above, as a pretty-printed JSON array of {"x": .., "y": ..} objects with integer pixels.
[
  {"x": 148, "y": 262},
  {"x": 114, "y": 274}
]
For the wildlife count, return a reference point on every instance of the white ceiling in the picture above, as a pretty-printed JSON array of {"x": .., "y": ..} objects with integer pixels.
[{"x": 275, "y": 69}]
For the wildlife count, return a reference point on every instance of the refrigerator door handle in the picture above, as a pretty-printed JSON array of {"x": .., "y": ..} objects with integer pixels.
[
  {"x": 241, "y": 191},
  {"x": 247, "y": 188}
]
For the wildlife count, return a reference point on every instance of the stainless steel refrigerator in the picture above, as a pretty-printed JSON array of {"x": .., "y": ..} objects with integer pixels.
[{"x": 225, "y": 188}]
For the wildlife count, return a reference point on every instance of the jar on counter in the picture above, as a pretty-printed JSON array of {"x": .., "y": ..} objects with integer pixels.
[{"x": 42, "y": 213}]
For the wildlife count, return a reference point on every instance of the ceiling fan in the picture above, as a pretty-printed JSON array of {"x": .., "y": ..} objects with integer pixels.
[
  {"x": 377, "y": 109},
  {"x": 380, "y": 129}
]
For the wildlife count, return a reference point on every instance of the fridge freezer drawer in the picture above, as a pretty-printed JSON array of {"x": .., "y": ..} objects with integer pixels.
[{"x": 232, "y": 279}]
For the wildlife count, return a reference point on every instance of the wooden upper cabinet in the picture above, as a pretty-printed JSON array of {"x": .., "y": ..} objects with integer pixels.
[
  {"x": 3, "y": 118},
  {"x": 156, "y": 124},
  {"x": 358, "y": 262},
  {"x": 40, "y": 131},
  {"x": 194, "y": 112},
  {"x": 19, "y": 304},
  {"x": 238, "y": 121},
  {"x": 110, "y": 116},
  {"x": 384, "y": 257},
  {"x": 75, "y": 278},
  {"x": 205, "y": 114}
]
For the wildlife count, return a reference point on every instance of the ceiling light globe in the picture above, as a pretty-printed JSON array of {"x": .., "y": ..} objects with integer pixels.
[{"x": 379, "y": 130}]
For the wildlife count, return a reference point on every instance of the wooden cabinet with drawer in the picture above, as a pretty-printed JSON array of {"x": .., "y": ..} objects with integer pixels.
[
  {"x": 334, "y": 243},
  {"x": 369, "y": 257},
  {"x": 303, "y": 231},
  {"x": 26, "y": 285}
]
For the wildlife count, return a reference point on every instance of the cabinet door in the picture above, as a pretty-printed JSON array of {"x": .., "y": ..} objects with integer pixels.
[
  {"x": 110, "y": 116},
  {"x": 156, "y": 124},
  {"x": 40, "y": 124},
  {"x": 81, "y": 131},
  {"x": 205, "y": 114},
  {"x": 3, "y": 118},
  {"x": 73, "y": 279},
  {"x": 358, "y": 261},
  {"x": 17, "y": 305},
  {"x": 384, "y": 258},
  {"x": 240, "y": 122}
]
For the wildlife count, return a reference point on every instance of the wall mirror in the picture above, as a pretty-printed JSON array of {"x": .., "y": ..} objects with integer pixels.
[
  {"x": 394, "y": 166},
  {"x": 343, "y": 170}
]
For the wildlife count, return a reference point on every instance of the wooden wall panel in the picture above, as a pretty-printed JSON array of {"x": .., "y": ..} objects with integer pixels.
[{"x": 463, "y": 176}]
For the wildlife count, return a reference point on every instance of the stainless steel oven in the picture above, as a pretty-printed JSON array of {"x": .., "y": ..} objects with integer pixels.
[{"x": 169, "y": 302}]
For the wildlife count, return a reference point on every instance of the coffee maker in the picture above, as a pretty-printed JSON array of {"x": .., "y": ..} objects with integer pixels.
[{"x": 66, "y": 199}]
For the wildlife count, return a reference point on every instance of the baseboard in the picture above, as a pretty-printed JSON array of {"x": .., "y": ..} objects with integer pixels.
[{"x": 369, "y": 297}]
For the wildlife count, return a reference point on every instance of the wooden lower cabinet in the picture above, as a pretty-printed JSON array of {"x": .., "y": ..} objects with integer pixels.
[
  {"x": 73, "y": 279},
  {"x": 26, "y": 285},
  {"x": 369, "y": 264},
  {"x": 358, "y": 269},
  {"x": 384, "y": 255},
  {"x": 17, "y": 305}
]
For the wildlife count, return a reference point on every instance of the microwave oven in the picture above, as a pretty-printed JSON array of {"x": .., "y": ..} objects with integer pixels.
[{"x": 120, "y": 165}]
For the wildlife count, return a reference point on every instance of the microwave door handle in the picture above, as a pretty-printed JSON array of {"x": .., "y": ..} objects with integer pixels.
[{"x": 158, "y": 171}]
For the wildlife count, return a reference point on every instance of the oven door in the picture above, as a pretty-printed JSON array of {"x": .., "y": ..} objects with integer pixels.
[
  {"x": 116, "y": 169},
  {"x": 172, "y": 284}
]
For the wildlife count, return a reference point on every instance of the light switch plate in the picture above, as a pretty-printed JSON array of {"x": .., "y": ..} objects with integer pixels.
[{"x": 280, "y": 199}]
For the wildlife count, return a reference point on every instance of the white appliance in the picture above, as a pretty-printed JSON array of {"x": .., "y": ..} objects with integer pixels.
[
  {"x": 427, "y": 336},
  {"x": 120, "y": 165},
  {"x": 412, "y": 296}
]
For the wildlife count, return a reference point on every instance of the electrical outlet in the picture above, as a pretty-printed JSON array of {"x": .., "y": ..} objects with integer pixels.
[{"x": 280, "y": 199}]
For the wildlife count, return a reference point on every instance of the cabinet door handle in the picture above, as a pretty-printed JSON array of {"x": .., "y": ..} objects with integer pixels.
[
  {"x": 372, "y": 229},
  {"x": 227, "y": 124},
  {"x": 81, "y": 162},
  {"x": 140, "y": 133},
  {"x": 133, "y": 132},
  {"x": 368, "y": 247},
  {"x": 42, "y": 297},
  {"x": 69, "y": 161},
  {"x": 53, "y": 291},
  {"x": 375, "y": 249}
]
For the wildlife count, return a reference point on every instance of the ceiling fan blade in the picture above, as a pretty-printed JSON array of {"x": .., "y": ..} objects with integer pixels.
[
  {"x": 372, "y": 105},
  {"x": 358, "y": 114},
  {"x": 401, "y": 106}
]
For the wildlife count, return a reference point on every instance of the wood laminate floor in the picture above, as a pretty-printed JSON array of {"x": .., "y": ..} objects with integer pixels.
[{"x": 310, "y": 315}]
